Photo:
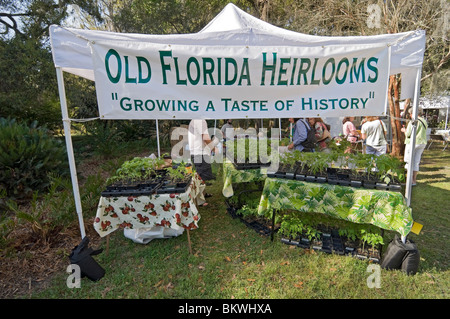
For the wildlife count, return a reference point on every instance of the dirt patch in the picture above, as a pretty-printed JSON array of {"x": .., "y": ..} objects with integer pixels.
[
  {"x": 30, "y": 262},
  {"x": 30, "y": 259}
]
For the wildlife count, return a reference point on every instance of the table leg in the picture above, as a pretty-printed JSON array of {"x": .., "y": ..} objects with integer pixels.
[
  {"x": 189, "y": 241},
  {"x": 107, "y": 244}
]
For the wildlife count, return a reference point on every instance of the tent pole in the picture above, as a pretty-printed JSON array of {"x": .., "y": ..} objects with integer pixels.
[
  {"x": 157, "y": 138},
  {"x": 69, "y": 146},
  {"x": 412, "y": 139},
  {"x": 279, "y": 125},
  {"x": 446, "y": 118}
]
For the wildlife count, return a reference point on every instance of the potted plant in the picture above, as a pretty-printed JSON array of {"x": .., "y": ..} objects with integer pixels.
[
  {"x": 318, "y": 168},
  {"x": 390, "y": 172},
  {"x": 133, "y": 178},
  {"x": 177, "y": 180},
  {"x": 350, "y": 240}
]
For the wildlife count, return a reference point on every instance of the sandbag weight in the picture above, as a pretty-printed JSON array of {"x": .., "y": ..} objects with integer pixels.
[{"x": 399, "y": 255}]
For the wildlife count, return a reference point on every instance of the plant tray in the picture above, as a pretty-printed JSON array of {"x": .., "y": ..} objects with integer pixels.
[
  {"x": 243, "y": 166},
  {"x": 168, "y": 187},
  {"x": 331, "y": 242},
  {"x": 141, "y": 191}
]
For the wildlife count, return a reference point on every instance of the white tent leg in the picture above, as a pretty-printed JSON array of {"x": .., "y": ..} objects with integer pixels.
[
  {"x": 413, "y": 139},
  {"x": 157, "y": 138},
  {"x": 69, "y": 146},
  {"x": 279, "y": 125},
  {"x": 446, "y": 118}
]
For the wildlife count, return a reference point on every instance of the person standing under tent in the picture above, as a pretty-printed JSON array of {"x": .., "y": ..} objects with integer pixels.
[
  {"x": 300, "y": 134},
  {"x": 374, "y": 132},
  {"x": 350, "y": 132},
  {"x": 323, "y": 136},
  {"x": 227, "y": 131},
  {"x": 421, "y": 142},
  {"x": 201, "y": 147}
]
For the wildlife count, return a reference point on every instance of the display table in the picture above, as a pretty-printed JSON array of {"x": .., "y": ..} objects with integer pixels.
[
  {"x": 170, "y": 211},
  {"x": 232, "y": 175},
  {"x": 385, "y": 209}
]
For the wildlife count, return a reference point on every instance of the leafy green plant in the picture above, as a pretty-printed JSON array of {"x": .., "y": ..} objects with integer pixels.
[
  {"x": 350, "y": 232},
  {"x": 27, "y": 155},
  {"x": 177, "y": 173},
  {"x": 370, "y": 238},
  {"x": 136, "y": 169},
  {"x": 291, "y": 226},
  {"x": 320, "y": 163},
  {"x": 389, "y": 168}
]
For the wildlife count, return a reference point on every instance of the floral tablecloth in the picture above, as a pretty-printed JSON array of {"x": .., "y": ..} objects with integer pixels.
[
  {"x": 385, "y": 209},
  {"x": 232, "y": 175},
  {"x": 167, "y": 210}
]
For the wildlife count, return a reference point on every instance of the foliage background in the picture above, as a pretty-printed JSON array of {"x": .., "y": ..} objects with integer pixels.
[{"x": 28, "y": 89}]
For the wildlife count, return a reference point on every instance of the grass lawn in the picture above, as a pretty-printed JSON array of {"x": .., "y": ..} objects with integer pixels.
[{"x": 230, "y": 260}]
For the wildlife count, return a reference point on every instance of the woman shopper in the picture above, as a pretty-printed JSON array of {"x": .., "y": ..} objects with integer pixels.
[
  {"x": 374, "y": 132},
  {"x": 421, "y": 142},
  {"x": 350, "y": 133},
  {"x": 323, "y": 136}
]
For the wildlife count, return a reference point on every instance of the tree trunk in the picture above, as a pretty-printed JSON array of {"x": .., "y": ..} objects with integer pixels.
[{"x": 398, "y": 147}]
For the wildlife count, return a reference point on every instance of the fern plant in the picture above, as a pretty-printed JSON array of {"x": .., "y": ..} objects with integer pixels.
[{"x": 27, "y": 155}]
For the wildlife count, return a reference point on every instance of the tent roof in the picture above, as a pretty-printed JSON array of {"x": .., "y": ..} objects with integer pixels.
[
  {"x": 231, "y": 27},
  {"x": 438, "y": 102}
]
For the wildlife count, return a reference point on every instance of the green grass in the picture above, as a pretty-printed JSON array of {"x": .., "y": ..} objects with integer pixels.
[{"x": 230, "y": 260}]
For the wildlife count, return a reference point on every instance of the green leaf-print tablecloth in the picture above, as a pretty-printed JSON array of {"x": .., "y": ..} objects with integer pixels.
[
  {"x": 167, "y": 210},
  {"x": 385, "y": 209},
  {"x": 232, "y": 175}
]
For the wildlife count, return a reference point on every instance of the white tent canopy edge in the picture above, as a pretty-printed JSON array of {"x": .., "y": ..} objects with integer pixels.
[{"x": 232, "y": 26}]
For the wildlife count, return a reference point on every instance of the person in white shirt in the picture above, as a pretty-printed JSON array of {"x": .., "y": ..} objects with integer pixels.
[
  {"x": 201, "y": 146},
  {"x": 228, "y": 130},
  {"x": 374, "y": 132}
]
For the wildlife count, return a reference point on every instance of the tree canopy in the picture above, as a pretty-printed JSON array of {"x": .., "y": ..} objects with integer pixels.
[{"x": 28, "y": 88}]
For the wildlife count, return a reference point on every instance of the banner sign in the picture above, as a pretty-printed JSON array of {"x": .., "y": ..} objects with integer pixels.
[{"x": 161, "y": 81}]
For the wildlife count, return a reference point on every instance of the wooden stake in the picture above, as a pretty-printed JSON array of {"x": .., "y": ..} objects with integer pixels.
[
  {"x": 107, "y": 244},
  {"x": 189, "y": 241}
]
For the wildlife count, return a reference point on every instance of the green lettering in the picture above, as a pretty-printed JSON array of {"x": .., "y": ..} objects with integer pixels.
[
  {"x": 164, "y": 67},
  {"x": 193, "y": 60},
  {"x": 333, "y": 68},
  {"x": 177, "y": 72},
  {"x": 315, "y": 82},
  {"x": 141, "y": 59},
  {"x": 372, "y": 68},
  {"x": 245, "y": 72},
  {"x": 127, "y": 72},
  {"x": 230, "y": 61},
  {"x": 208, "y": 70},
  {"x": 354, "y": 71},
  {"x": 267, "y": 67},
  {"x": 125, "y": 106},
  {"x": 293, "y": 71},
  {"x": 119, "y": 66},
  {"x": 303, "y": 71},
  {"x": 342, "y": 80},
  {"x": 210, "y": 106},
  {"x": 283, "y": 71}
]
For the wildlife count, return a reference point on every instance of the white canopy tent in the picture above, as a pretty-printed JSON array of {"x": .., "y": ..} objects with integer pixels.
[{"x": 239, "y": 39}]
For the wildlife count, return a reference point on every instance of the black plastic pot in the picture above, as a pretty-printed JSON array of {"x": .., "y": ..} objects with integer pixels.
[{"x": 304, "y": 243}]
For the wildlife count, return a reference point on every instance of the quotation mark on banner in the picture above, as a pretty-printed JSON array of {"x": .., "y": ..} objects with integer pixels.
[
  {"x": 114, "y": 96},
  {"x": 373, "y": 20}
]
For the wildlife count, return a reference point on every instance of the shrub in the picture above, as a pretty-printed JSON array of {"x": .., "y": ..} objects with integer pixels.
[{"x": 27, "y": 155}]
